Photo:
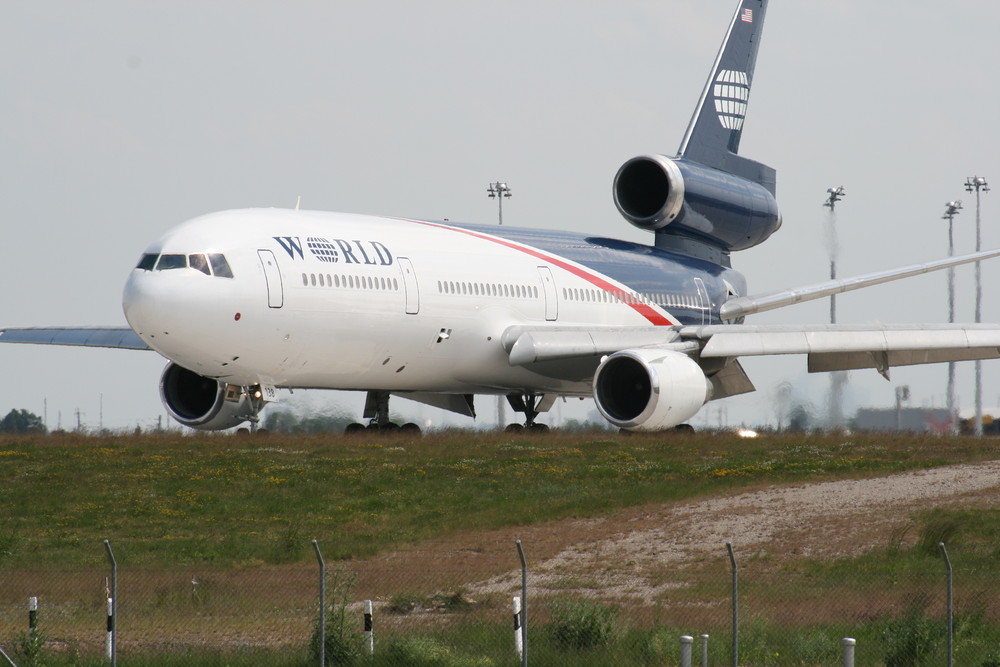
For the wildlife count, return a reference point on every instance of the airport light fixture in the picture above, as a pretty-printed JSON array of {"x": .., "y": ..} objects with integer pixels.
[
  {"x": 978, "y": 185},
  {"x": 500, "y": 191},
  {"x": 835, "y": 195},
  {"x": 952, "y": 209}
]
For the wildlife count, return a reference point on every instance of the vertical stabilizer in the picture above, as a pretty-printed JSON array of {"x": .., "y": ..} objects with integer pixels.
[{"x": 713, "y": 136}]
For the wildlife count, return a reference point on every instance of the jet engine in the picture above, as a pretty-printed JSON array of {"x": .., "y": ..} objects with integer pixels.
[
  {"x": 647, "y": 389},
  {"x": 677, "y": 196},
  {"x": 202, "y": 403}
]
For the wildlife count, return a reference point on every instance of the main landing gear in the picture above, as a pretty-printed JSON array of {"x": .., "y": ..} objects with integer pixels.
[
  {"x": 377, "y": 414},
  {"x": 530, "y": 404}
]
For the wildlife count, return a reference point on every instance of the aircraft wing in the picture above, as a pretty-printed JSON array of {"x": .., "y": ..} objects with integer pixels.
[
  {"x": 846, "y": 347},
  {"x": 114, "y": 337},
  {"x": 748, "y": 305}
]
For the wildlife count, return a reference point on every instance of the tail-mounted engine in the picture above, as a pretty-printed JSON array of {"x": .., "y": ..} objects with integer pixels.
[
  {"x": 677, "y": 196},
  {"x": 646, "y": 389},
  {"x": 203, "y": 403}
]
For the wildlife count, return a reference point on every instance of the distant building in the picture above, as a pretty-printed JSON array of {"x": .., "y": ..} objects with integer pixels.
[{"x": 909, "y": 420}]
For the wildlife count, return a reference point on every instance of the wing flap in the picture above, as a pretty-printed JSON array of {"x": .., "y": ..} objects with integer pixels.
[
  {"x": 113, "y": 337},
  {"x": 527, "y": 345}
]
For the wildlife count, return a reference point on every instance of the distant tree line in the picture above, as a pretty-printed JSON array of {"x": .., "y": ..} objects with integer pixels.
[{"x": 21, "y": 421}]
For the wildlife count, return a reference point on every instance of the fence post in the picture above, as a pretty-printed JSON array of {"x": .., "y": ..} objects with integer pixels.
[
  {"x": 736, "y": 605},
  {"x": 951, "y": 620},
  {"x": 524, "y": 604},
  {"x": 848, "y": 644},
  {"x": 687, "y": 641},
  {"x": 369, "y": 628},
  {"x": 112, "y": 643},
  {"x": 704, "y": 651},
  {"x": 517, "y": 626},
  {"x": 322, "y": 604}
]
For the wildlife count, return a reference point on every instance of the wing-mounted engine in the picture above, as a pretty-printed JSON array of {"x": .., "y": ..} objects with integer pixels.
[
  {"x": 647, "y": 389},
  {"x": 203, "y": 403},
  {"x": 674, "y": 196}
]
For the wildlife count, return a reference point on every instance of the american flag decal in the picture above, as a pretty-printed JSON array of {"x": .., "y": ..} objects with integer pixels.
[{"x": 747, "y": 16}]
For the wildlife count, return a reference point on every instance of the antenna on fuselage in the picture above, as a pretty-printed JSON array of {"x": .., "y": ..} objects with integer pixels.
[{"x": 298, "y": 200}]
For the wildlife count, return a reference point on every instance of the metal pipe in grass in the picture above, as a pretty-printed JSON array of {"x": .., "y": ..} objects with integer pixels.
[
  {"x": 524, "y": 605},
  {"x": 704, "y": 651},
  {"x": 951, "y": 620},
  {"x": 736, "y": 605},
  {"x": 322, "y": 604},
  {"x": 687, "y": 644},
  {"x": 369, "y": 629},
  {"x": 112, "y": 607},
  {"x": 518, "y": 646},
  {"x": 848, "y": 644}
]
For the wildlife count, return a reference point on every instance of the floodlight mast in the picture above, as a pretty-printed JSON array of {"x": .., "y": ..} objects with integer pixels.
[
  {"x": 978, "y": 184},
  {"x": 952, "y": 209},
  {"x": 838, "y": 379},
  {"x": 499, "y": 190}
]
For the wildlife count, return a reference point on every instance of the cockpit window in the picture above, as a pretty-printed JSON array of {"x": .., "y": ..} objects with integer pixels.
[
  {"x": 147, "y": 262},
  {"x": 199, "y": 262},
  {"x": 168, "y": 262},
  {"x": 220, "y": 266}
]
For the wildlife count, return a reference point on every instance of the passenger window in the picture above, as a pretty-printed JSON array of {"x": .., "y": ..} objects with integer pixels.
[
  {"x": 147, "y": 262},
  {"x": 200, "y": 263},
  {"x": 168, "y": 262},
  {"x": 220, "y": 267}
]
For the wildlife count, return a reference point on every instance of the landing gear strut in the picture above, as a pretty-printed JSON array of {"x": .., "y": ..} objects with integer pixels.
[
  {"x": 530, "y": 404},
  {"x": 377, "y": 414},
  {"x": 255, "y": 403}
]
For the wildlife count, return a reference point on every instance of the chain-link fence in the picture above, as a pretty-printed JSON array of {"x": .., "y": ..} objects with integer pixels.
[{"x": 894, "y": 604}]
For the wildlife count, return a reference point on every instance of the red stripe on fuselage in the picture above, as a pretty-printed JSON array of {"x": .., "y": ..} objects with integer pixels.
[{"x": 643, "y": 309}]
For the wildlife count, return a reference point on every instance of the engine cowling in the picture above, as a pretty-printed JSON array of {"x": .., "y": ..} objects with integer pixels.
[
  {"x": 201, "y": 403},
  {"x": 677, "y": 196},
  {"x": 649, "y": 389}
]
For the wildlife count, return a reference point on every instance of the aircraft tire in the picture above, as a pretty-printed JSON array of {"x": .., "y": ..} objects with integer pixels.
[
  {"x": 539, "y": 428},
  {"x": 410, "y": 428},
  {"x": 353, "y": 429},
  {"x": 513, "y": 428}
]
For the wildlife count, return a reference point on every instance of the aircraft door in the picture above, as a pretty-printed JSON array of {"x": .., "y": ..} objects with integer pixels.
[
  {"x": 704, "y": 303},
  {"x": 272, "y": 276},
  {"x": 409, "y": 286},
  {"x": 549, "y": 291}
]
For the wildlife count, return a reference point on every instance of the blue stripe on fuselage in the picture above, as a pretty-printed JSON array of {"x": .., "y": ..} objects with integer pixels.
[{"x": 644, "y": 269}]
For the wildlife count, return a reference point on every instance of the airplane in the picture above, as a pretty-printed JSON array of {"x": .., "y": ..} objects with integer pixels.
[{"x": 242, "y": 303}]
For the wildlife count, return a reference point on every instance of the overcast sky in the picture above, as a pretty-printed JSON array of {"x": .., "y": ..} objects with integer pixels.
[{"x": 122, "y": 119}]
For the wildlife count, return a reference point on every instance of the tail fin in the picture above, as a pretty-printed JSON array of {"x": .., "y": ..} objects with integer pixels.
[{"x": 713, "y": 136}]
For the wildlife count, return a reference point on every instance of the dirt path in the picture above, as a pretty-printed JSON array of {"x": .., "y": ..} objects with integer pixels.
[{"x": 621, "y": 551}]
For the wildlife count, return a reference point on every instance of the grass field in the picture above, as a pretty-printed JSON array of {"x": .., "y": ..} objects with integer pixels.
[{"x": 240, "y": 512}]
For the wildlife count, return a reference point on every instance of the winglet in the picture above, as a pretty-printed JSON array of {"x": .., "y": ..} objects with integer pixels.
[{"x": 713, "y": 136}]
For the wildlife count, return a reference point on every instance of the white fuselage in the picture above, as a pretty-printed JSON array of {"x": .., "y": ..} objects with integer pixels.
[{"x": 341, "y": 301}]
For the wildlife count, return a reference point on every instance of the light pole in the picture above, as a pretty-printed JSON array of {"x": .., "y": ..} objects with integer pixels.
[
  {"x": 835, "y": 195},
  {"x": 500, "y": 191},
  {"x": 978, "y": 184},
  {"x": 837, "y": 378},
  {"x": 952, "y": 209}
]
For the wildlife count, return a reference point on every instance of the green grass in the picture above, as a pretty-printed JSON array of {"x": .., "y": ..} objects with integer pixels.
[
  {"x": 240, "y": 512},
  {"x": 165, "y": 500}
]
